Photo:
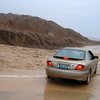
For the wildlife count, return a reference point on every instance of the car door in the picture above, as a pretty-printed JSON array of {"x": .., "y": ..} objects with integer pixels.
[{"x": 92, "y": 60}]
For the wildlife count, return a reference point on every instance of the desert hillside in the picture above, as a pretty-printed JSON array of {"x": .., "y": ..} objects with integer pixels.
[{"x": 28, "y": 31}]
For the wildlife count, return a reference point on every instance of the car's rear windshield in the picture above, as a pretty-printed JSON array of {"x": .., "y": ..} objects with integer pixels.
[{"x": 71, "y": 53}]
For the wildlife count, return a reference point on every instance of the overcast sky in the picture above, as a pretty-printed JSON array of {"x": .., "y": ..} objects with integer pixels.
[{"x": 80, "y": 15}]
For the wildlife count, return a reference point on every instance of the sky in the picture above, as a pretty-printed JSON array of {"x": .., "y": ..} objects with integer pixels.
[{"x": 81, "y": 15}]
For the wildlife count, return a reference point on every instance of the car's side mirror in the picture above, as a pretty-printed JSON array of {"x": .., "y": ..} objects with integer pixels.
[{"x": 96, "y": 57}]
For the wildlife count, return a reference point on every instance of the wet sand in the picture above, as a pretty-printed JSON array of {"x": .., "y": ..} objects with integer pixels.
[{"x": 14, "y": 57}]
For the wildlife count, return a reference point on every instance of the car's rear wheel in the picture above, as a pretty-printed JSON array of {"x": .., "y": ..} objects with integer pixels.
[
  {"x": 49, "y": 77},
  {"x": 87, "y": 81},
  {"x": 95, "y": 70}
]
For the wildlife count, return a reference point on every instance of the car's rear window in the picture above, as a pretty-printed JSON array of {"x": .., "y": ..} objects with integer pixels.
[{"x": 71, "y": 53}]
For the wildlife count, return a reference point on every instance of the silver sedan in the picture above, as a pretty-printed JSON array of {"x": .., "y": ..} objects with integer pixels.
[{"x": 72, "y": 63}]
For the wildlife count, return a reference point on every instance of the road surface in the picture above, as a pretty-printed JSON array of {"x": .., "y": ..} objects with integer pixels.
[{"x": 33, "y": 85}]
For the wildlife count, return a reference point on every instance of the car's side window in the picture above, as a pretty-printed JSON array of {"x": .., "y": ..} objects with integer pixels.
[{"x": 90, "y": 55}]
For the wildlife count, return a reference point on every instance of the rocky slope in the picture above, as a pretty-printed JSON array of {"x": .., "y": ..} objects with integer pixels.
[{"x": 28, "y": 31}]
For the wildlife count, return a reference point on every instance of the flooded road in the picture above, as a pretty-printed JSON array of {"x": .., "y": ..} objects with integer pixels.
[
  {"x": 40, "y": 88},
  {"x": 33, "y": 85}
]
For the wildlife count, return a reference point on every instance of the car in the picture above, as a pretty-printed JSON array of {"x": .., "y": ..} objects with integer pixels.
[{"x": 72, "y": 63}]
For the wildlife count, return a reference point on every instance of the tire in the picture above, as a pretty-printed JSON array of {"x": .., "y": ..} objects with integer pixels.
[
  {"x": 49, "y": 77},
  {"x": 95, "y": 70},
  {"x": 87, "y": 81}
]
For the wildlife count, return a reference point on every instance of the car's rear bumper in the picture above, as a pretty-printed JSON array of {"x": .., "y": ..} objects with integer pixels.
[{"x": 68, "y": 74}]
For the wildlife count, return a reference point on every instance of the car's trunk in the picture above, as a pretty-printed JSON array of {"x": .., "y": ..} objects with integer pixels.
[{"x": 69, "y": 64}]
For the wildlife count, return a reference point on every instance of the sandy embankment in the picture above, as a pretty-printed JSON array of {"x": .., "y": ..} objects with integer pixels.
[{"x": 14, "y": 57}]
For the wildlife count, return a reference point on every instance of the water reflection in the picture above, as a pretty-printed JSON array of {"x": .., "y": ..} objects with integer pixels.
[{"x": 66, "y": 90}]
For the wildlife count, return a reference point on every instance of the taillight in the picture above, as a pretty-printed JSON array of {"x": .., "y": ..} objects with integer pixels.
[
  {"x": 79, "y": 67},
  {"x": 49, "y": 63}
]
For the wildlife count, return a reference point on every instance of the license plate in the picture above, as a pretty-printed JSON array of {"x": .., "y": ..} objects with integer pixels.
[{"x": 63, "y": 66}]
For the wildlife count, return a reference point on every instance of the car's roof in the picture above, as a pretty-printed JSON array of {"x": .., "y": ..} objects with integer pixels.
[{"x": 77, "y": 48}]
